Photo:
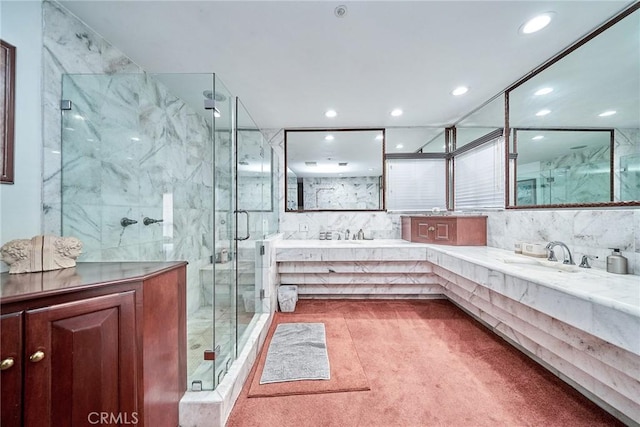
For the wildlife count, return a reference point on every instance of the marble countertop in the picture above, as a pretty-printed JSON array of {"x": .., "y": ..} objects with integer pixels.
[{"x": 621, "y": 292}]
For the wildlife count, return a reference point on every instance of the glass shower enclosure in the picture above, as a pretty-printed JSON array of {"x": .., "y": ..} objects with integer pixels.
[{"x": 162, "y": 167}]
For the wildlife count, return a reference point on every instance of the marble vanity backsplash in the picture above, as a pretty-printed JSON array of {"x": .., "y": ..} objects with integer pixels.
[{"x": 585, "y": 232}]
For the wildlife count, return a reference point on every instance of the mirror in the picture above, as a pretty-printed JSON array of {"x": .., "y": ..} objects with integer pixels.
[
  {"x": 334, "y": 169},
  {"x": 575, "y": 123},
  {"x": 486, "y": 119},
  {"x": 563, "y": 166},
  {"x": 419, "y": 139}
]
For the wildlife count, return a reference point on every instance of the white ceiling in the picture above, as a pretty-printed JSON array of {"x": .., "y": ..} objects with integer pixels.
[{"x": 289, "y": 61}]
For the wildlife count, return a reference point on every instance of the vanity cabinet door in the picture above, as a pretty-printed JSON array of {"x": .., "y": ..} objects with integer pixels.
[
  {"x": 80, "y": 361},
  {"x": 433, "y": 230},
  {"x": 11, "y": 370},
  {"x": 446, "y": 230}
]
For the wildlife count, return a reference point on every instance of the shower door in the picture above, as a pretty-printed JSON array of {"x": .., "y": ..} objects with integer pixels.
[{"x": 253, "y": 198}]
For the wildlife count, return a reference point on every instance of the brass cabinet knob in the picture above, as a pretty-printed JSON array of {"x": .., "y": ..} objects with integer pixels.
[
  {"x": 431, "y": 228},
  {"x": 6, "y": 363},
  {"x": 37, "y": 356}
]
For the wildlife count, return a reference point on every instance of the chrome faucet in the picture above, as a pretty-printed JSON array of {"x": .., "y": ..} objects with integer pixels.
[
  {"x": 567, "y": 252},
  {"x": 585, "y": 261},
  {"x": 346, "y": 234}
]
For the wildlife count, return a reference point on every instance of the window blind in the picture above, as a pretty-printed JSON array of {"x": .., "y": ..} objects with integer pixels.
[
  {"x": 479, "y": 176},
  {"x": 415, "y": 184}
]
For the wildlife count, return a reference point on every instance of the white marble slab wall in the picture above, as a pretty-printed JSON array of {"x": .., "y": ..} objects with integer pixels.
[
  {"x": 131, "y": 148},
  {"x": 584, "y": 231},
  {"x": 358, "y": 192},
  {"x": 69, "y": 47}
]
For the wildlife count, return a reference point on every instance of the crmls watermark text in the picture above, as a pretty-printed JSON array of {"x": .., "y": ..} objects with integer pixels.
[{"x": 113, "y": 418}]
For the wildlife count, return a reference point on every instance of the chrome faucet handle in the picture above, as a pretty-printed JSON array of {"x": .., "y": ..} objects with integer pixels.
[
  {"x": 125, "y": 222},
  {"x": 584, "y": 263}
]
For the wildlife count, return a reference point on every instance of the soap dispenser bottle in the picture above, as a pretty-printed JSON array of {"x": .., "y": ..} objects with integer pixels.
[{"x": 616, "y": 263}]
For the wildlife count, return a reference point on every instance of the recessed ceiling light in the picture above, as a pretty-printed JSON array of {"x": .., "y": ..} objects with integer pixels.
[
  {"x": 399, "y": 146},
  {"x": 536, "y": 23},
  {"x": 135, "y": 138},
  {"x": 329, "y": 137},
  {"x": 607, "y": 113},
  {"x": 379, "y": 137},
  {"x": 460, "y": 90},
  {"x": 537, "y": 137},
  {"x": 543, "y": 91},
  {"x": 543, "y": 113},
  {"x": 397, "y": 112},
  {"x": 370, "y": 169},
  {"x": 331, "y": 113}
]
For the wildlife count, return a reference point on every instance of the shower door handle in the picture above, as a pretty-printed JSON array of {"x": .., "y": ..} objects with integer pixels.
[{"x": 248, "y": 232}]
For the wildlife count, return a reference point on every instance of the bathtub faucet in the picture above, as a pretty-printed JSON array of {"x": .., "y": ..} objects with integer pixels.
[{"x": 567, "y": 252}]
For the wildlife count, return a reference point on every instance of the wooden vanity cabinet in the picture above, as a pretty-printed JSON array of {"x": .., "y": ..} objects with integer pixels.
[
  {"x": 445, "y": 230},
  {"x": 82, "y": 348}
]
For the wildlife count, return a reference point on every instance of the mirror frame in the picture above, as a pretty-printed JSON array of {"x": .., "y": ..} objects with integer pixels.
[
  {"x": 382, "y": 161},
  {"x": 510, "y": 175},
  {"x": 8, "y": 71}
]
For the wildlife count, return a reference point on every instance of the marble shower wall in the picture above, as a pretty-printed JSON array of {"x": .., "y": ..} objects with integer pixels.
[
  {"x": 585, "y": 231},
  {"x": 131, "y": 149},
  {"x": 358, "y": 192},
  {"x": 626, "y": 164}
]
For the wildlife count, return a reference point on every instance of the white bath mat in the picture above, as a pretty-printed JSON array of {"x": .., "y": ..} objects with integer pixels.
[{"x": 298, "y": 351}]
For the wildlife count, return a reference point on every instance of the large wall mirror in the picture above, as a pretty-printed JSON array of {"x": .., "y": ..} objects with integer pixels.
[
  {"x": 575, "y": 123},
  {"x": 334, "y": 169}
]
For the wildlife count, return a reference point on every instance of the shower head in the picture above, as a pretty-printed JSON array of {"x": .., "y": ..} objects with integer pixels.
[{"x": 214, "y": 95}]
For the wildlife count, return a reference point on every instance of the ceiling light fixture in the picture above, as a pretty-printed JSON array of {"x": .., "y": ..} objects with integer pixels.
[
  {"x": 542, "y": 113},
  {"x": 460, "y": 90},
  {"x": 329, "y": 138},
  {"x": 537, "y": 137},
  {"x": 397, "y": 112},
  {"x": 331, "y": 113},
  {"x": 399, "y": 146},
  {"x": 607, "y": 113},
  {"x": 543, "y": 91},
  {"x": 340, "y": 11},
  {"x": 379, "y": 137},
  {"x": 536, "y": 23}
]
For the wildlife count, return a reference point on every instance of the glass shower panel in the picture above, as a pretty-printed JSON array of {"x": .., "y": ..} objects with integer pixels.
[
  {"x": 630, "y": 177},
  {"x": 137, "y": 182},
  {"x": 253, "y": 198},
  {"x": 225, "y": 287}
]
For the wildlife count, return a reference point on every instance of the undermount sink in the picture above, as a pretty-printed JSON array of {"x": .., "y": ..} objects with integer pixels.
[{"x": 544, "y": 264}]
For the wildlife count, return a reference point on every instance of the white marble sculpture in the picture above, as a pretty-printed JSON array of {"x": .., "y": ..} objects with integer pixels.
[{"x": 40, "y": 253}]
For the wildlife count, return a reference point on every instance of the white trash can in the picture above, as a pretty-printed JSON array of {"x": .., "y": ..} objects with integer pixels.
[
  {"x": 249, "y": 301},
  {"x": 287, "y": 298}
]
